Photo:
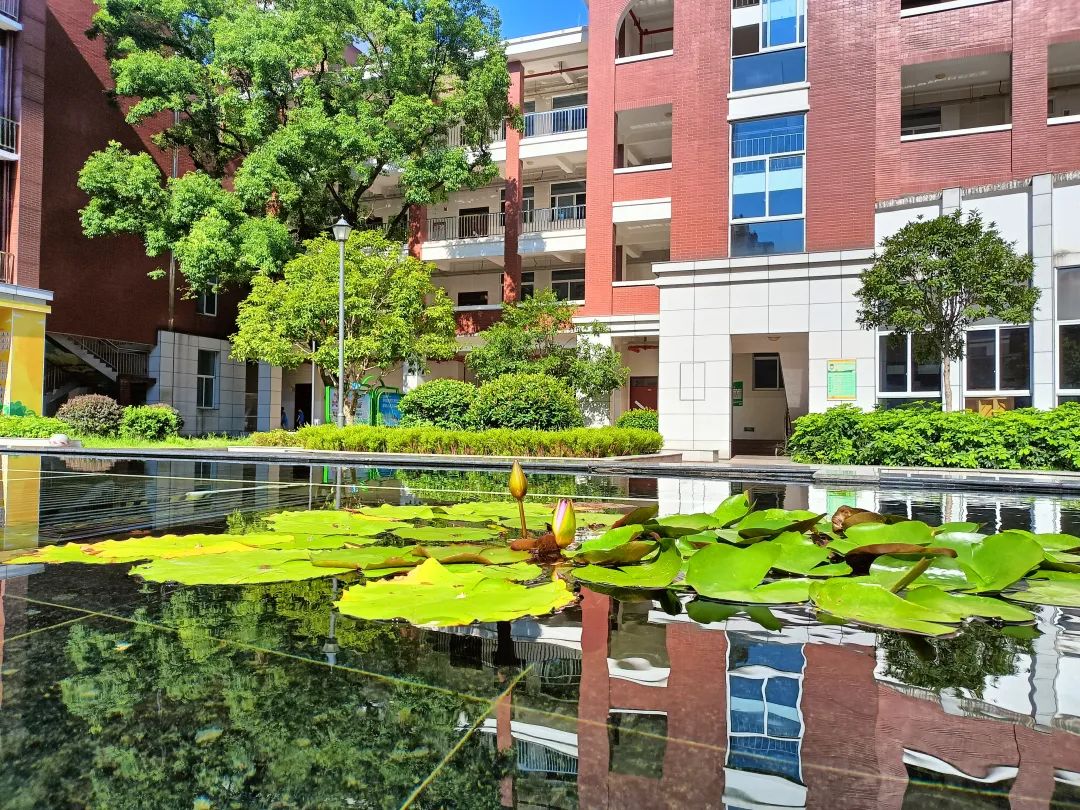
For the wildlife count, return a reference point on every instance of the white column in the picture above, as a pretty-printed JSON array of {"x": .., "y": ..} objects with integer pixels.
[
  {"x": 1043, "y": 389},
  {"x": 411, "y": 377},
  {"x": 269, "y": 397}
]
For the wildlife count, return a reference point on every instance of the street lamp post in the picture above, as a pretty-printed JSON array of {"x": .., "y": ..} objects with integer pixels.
[{"x": 341, "y": 229}]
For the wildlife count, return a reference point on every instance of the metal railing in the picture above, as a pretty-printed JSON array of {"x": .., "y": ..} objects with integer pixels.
[
  {"x": 746, "y": 3},
  {"x": 465, "y": 226},
  {"x": 7, "y": 267},
  {"x": 775, "y": 143},
  {"x": 556, "y": 122},
  {"x": 456, "y": 136},
  {"x": 9, "y": 134},
  {"x": 534, "y": 757},
  {"x": 124, "y": 358},
  {"x": 10, "y": 8},
  {"x": 566, "y": 218}
]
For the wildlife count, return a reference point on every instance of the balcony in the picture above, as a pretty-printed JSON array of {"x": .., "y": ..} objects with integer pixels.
[
  {"x": 472, "y": 320},
  {"x": 9, "y": 15},
  {"x": 556, "y": 122},
  {"x": 546, "y": 134},
  {"x": 7, "y": 267},
  {"x": 9, "y": 138},
  {"x": 568, "y": 218},
  {"x": 956, "y": 97},
  {"x": 466, "y": 226},
  {"x": 1063, "y": 82}
]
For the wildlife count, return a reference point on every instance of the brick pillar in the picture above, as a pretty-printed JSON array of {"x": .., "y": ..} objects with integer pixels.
[
  {"x": 417, "y": 229},
  {"x": 512, "y": 206}
]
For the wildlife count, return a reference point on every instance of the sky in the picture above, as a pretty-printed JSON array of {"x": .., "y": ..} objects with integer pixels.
[{"x": 520, "y": 17}]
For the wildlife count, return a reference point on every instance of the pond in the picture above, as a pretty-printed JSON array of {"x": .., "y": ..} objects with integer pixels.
[{"x": 121, "y": 693}]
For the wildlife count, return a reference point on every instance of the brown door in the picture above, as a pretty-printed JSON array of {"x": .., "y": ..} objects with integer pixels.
[{"x": 643, "y": 392}]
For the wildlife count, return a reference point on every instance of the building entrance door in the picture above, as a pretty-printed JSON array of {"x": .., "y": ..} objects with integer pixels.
[{"x": 643, "y": 392}]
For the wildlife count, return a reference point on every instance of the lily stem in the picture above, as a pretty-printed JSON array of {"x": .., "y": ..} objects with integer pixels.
[
  {"x": 521, "y": 515},
  {"x": 916, "y": 571}
]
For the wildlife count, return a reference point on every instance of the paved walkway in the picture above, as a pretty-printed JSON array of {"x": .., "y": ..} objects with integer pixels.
[{"x": 759, "y": 468}]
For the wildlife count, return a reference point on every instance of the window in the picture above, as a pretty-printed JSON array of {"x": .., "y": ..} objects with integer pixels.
[
  {"x": 206, "y": 381},
  {"x": 767, "y": 185},
  {"x": 647, "y": 27},
  {"x": 207, "y": 302},
  {"x": 473, "y": 222},
  {"x": 768, "y": 375},
  {"x": 568, "y": 200},
  {"x": 528, "y": 205},
  {"x": 1063, "y": 80},
  {"x": 903, "y": 372},
  {"x": 999, "y": 359},
  {"x": 768, "y": 42},
  {"x": 1068, "y": 317},
  {"x": 472, "y": 299},
  {"x": 528, "y": 285},
  {"x": 568, "y": 285},
  {"x": 956, "y": 94}
]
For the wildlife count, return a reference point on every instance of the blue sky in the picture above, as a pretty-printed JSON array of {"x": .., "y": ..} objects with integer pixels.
[{"x": 520, "y": 17}]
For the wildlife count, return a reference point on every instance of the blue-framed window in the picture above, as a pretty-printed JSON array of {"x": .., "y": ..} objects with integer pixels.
[
  {"x": 768, "y": 44},
  {"x": 768, "y": 173}
]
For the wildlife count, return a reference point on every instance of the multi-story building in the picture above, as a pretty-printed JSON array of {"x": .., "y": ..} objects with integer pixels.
[
  {"x": 710, "y": 179},
  {"x": 23, "y": 304}
]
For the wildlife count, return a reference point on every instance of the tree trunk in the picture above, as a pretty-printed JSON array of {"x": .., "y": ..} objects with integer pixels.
[{"x": 946, "y": 383}]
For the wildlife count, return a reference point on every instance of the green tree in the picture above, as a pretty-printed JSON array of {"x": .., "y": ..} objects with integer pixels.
[
  {"x": 935, "y": 278},
  {"x": 289, "y": 113},
  {"x": 393, "y": 313},
  {"x": 538, "y": 336}
]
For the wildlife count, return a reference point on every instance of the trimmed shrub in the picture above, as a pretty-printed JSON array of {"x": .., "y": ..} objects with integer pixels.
[
  {"x": 920, "y": 435},
  {"x": 152, "y": 423},
  {"x": 30, "y": 427},
  {"x": 640, "y": 418},
  {"x": 92, "y": 415},
  {"x": 438, "y": 403},
  {"x": 577, "y": 443},
  {"x": 525, "y": 402}
]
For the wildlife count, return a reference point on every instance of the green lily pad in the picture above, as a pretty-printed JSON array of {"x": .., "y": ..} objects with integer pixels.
[
  {"x": 704, "y": 611},
  {"x": 689, "y": 544},
  {"x": 771, "y": 522},
  {"x": 959, "y": 526},
  {"x": 1058, "y": 542},
  {"x": 389, "y": 511},
  {"x": 781, "y": 592},
  {"x": 446, "y": 534},
  {"x": 639, "y": 516},
  {"x": 615, "y": 546},
  {"x": 733, "y": 509},
  {"x": 1061, "y": 593},
  {"x": 659, "y": 573},
  {"x": 1056, "y": 576},
  {"x": 1001, "y": 560},
  {"x": 944, "y": 572},
  {"x": 484, "y": 555},
  {"x": 491, "y": 511},
  {"x": 251, "y": 567},
  {"x": 367, "y": 558},
  {"x": 433, "y": 596},
  {"x": 909, "y": 532},
  {"x": 798, "y": 553},
  {"x": 324, "y": 522},
  {"x": 871, "y": 604},
  {"x": 169, "y": 546},
  {"x": 320, "y": 542},
  {"x": 515, "y": 572},
  {"x": 722, "y": 568},
  {"x": 965, "y": 606},
  {"x": 597, "y": 519},
  {"x": 680, "y": 525}
]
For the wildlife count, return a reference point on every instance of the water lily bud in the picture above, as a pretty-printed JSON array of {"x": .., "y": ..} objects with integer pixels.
[
  {"x": 519, "y": 484},
  {"x": 564, "y": 524}
]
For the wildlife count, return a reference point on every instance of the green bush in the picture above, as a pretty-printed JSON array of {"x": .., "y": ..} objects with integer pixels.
[
  {"x": 525, "y": 402},
  {"x": 152, "y": 423},
  {"x": 577, "y": 443},
  {"x": 920, "y": 435},
  {"x": 92, "y": 415},
  {"x": 30, "y": 427},
  {"x": 438, "y": 403},
  {"x": 640, "y": 418}
]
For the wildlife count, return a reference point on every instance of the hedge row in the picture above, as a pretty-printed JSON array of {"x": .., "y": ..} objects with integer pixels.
[
  {"x": 922, "y": 436},
  {"x": 30, "y": 427},
  {"x": 577, "y": 443}
]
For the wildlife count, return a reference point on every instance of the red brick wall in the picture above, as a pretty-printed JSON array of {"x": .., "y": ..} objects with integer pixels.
[
  {"x": 643, "y": 185},
  {"x": 29, "y": 109},
  {"x": 101, "y": 285}
]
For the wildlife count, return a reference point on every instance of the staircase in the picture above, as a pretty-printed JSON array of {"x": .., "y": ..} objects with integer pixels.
[{"x": 112, "y": 358}]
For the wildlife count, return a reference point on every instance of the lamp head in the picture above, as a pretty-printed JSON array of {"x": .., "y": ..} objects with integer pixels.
[{"x": 341, "y": 230}]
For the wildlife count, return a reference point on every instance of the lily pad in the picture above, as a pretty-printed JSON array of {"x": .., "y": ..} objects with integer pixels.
[
  {"x": 723, "y": 569},
  {"x": 781, "y": 592},
  {"x": 958, "y": 526},
  {"x": 908, "y": 532},
  {"x": 944, "y": 572},
  {"x": 389, "y": 511},
  {"x": 1058, "y": 542},
  {"x": 1001, "y": 560},
  {"x": 446, "y": 534},
  {"x": 484, "y": 555},
  {"x": 368, "y": 558},
  {"x": 704, "y": 611},
  {"x": 798, "y": 553},
  {"x": 1061, "y": 593},
  {"x": 658, "y": 573},
  {"x": 320, "y": 542},
  {"x": 771, "y": 522},
  {"x": 965, "y": 606},
  {"x": 433, "y": 596},
  {"x": 871, "y": 604},
  {"x": 254, "y": 566},
  {"x": 638, "y": 516},
  {"x": 680, "y": 525},
  {"x": 328, "y": 522},
  {"x": 515, "y": 572},
  {"x": 733, "y": 509},
  {"x": 491, "y": 511},
  {"x": 615, "y": 546},
  {"x": 169, "y": 546}
]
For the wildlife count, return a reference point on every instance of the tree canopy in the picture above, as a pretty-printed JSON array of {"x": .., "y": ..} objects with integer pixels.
[
  {"x": 538, "y": 336},
  {"x": 393, "y": 312},
  {"x": 289, "y": 113},
  {"x": 937, "y": 277}
]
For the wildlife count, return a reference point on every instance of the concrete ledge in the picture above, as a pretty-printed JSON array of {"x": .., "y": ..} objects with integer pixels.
[{"x": 9, "y": 443}]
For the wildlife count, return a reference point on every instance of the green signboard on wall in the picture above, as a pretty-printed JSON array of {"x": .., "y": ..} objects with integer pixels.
[
  {"x": 843, "y": 382},
  {"x": 737, "y": 393}
]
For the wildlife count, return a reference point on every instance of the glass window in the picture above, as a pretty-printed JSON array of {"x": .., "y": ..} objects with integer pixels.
[
  {"x": 472, "y": 299},
  {"x": 768, "y": 375},
  {"x": 528, "y": 285},
  {"x": 748, "y": 194},
  {"x": 1068, "y": 294},
  {"x": 206, "y": 379},
  {"x": 568, "y": 200},
  {"x": 761, "y": 238},
  {"x": 768, "y": 136},
  {"x": 568, "y": 285},
  {"x": 207, "y": 303},
  {"x": 1069, "y": 349},
  {"x": 901, "y": 369},
  {"x": 769, "y": 69},
  {"x": 1015, "y": 358},
  {"x": 925, "y": 374},
  {"x": 982, "y": 360}
]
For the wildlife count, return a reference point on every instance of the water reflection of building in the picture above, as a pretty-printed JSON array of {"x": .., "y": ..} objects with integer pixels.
[{"x": 671, "y": 713}]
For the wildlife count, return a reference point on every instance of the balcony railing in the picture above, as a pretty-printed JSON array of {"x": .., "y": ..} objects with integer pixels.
[
  {"x": 567, "y": 218},
  {"x": 455, "y": 137},
  {"x": 466, "y": 226},
  {"x": 10, "y": 8},
  {"x": 7, "y": 267},
  {"x": 556, "y": 122},
  {"x": 9, "y": 134},
  {"x": 471, "y": 320}
]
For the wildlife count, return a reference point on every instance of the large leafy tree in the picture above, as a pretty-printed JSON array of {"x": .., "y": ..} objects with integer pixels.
[
  {"x": 394, "y": 314},
  {"x": 289, "y": 112},
  {"x": 937, "y": 277},
  {"x": 538, "y": 336}
]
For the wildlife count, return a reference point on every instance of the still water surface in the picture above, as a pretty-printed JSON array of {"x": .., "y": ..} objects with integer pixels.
[{"x": 117, "y": 694}]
